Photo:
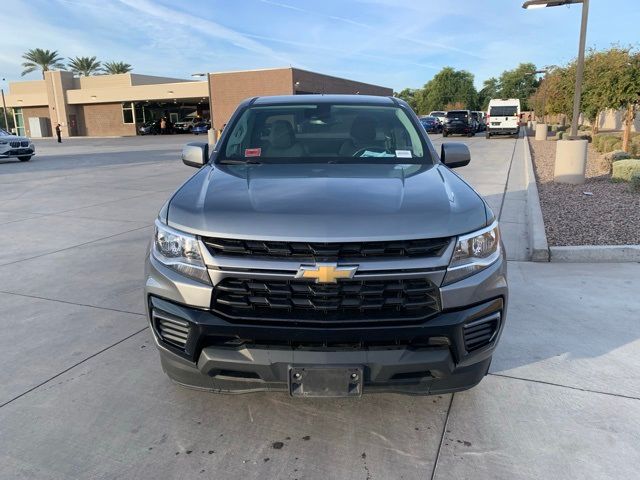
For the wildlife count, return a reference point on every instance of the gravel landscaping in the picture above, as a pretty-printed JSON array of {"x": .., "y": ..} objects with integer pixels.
[{"x": 597, "y": 213}]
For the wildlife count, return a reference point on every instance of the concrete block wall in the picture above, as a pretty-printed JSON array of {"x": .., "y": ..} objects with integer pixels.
[{"x": 104, "y": 120}]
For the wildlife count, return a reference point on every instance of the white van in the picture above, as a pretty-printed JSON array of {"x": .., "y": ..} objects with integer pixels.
[{"x": 503, "y": 117}]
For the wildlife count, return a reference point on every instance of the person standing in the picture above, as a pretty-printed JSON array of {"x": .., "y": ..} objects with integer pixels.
[
  {"x": 58, "y": 133},
  {"x": 163, "y": 126}
]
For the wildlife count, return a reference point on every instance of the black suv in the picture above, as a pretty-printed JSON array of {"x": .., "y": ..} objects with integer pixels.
[{"x": 459, "y": 122}]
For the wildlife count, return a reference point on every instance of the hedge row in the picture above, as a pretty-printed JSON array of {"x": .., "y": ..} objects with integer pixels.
[
  {"x": 624, "y": 170},
  {"x": 606, "y": 142}
]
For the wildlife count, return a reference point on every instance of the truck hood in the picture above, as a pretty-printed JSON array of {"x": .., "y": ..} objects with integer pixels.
[{"x": 326, "y": 202}]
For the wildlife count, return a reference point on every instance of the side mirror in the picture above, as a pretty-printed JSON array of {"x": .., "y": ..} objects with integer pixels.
[
  {"x": 455, "y": 155},
  {"x": 195, "y": 154}
]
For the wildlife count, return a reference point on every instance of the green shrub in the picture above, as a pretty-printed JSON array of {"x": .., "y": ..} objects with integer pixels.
[
  {"x": 560, "y": 135},
  {"x": 623, "y": 170},
  {"x": 634, "y": 183},
  {"x": 596, "y": 141},
  {"x": 554, "y": 128},
  {"x": 634, "y": 149},
  {"x": 611, "y": 144},
  {"x": 602, "y": 140}
]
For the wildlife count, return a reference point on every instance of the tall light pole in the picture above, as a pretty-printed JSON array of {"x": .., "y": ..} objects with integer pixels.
[
  {"x": 4, "y": 108},
  {"x": 530, "y": 4},
  {"x": 571, "y": 157},
  {"x": 211, "y": 134}
]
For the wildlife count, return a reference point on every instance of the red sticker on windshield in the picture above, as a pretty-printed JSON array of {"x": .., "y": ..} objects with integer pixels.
[{"x": 252, "y": 152}]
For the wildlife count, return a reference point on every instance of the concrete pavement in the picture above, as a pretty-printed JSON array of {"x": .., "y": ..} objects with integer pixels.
[
  {"x": 82, "y": 394},
  {"x": 497, "y": 172}
]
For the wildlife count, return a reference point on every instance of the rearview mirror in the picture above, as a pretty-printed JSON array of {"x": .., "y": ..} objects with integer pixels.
[
  {"x": 195, "y": 154},
  {"x": 455, "y": 155}
]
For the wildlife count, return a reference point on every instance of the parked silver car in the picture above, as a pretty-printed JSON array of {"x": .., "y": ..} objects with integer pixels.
[
  {"x": 15, "y": 146},
  {"x": 323, "y": 248}
]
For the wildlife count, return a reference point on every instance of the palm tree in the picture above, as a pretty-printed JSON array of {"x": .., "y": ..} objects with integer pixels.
[
  {"x": 113, "y": 68},
  {"x": 37, "y": 58},
  {"x": 84, "y": 65}
]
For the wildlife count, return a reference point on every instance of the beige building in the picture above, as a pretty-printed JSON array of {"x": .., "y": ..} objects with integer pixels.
[{"x": 116, "y": 105}]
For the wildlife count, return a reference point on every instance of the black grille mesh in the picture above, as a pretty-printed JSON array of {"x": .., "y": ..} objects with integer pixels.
[
  {"x": 341, "y": 304},
  {"x": 480, "y": 333},
  {"x": 403, "y": 248}
]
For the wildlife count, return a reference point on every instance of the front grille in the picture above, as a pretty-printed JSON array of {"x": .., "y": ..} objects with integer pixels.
[
  {"x": 342, "y": 304},
  {"x": 24, "y": 144},
  {"x": 170, "y": 329},
  {"x": 481, "y": 333},
  {"x": 16, "y": 144},
  {"x": 334, "y": 251}
]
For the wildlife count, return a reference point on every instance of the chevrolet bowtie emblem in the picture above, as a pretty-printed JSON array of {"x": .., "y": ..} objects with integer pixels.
[{"x": 326, "y": 272}]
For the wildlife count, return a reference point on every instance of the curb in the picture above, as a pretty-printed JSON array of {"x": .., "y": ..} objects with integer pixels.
[
  {"x": 535, "y": 223},
  {"x": 596, "y": 254}
]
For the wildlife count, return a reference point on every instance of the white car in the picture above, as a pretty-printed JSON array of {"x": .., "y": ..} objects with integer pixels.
[
  {"x": 442, "y": 116},
  {"x": 186, "y": 124},
  {"x": 13, "y": 146}
]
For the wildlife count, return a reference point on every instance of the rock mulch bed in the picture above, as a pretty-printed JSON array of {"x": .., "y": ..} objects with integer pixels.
[{"x": 597, "y": 213}]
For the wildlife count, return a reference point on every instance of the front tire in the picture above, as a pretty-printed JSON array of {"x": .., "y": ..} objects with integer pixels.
[
  {"x": 445, "y": 134},
  {"x": 488, "y": 136},
  {"x": 25, "y": 158}
]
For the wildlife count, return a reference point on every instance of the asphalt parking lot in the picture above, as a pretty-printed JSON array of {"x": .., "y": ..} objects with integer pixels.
[{"x": 82, "y": 394}]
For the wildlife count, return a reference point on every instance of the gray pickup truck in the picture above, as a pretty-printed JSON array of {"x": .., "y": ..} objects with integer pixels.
[{"x": 324, "y": 248}]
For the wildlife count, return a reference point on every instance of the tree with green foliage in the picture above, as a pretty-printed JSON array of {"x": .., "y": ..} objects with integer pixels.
[
  {"x": 489, "y": 90},
  {"x": 449, "y": 86},
  {"x": 554, "y": 95},
  {"x": 85, "y": 66},
  {"x": 409, "y": 95},
  {"x": 114, "y": 68},
  {"x": 612, "y": 80},
  {"x": 521, "y": 83},
  {"x": 39, "y": 59}
]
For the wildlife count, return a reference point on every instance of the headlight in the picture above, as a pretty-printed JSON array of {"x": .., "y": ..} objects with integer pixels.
[
  {"x": 179, "y": 251},
  {"x": 474, "y": 252}
]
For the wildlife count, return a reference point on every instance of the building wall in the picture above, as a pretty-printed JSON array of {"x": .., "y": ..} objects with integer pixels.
[
  {"x": 103, "y": 120},
  {"x": 311, "y": 82},
  {"x": 34, "y": 112},
  {"x": 614, "y": 120},
  {"x": 230, "y": 88}
]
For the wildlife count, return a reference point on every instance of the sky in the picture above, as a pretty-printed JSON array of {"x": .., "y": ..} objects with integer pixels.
[{"x": 394, "y": 43}]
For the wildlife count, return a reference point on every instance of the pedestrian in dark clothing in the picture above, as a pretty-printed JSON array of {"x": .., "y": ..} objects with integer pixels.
[{"x": 58, "y": 133}]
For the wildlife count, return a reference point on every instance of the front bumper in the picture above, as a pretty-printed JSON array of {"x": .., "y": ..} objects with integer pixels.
[
  {"x": 424, "y": 358},
  {"x": 17, "y": 152}
]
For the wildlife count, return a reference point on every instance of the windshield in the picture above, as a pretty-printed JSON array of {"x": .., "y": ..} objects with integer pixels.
[
  {"x": 506, "y": 111},
  {"x": 323, "y": 132},
  {"x": 457, "y": 114},
  {"x": 438, "y": 114}
]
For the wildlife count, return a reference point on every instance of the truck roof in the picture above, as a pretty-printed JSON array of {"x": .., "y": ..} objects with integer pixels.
[
  {"x": 504, "y": 101},
  {"x": 315, "y": 98}
]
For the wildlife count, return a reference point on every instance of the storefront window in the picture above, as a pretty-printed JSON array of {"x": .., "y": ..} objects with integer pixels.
[
  {"x": 139, "y": 111},
  {"x": 127, "y": 113},
  {"x": 19, "y": 121}
]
